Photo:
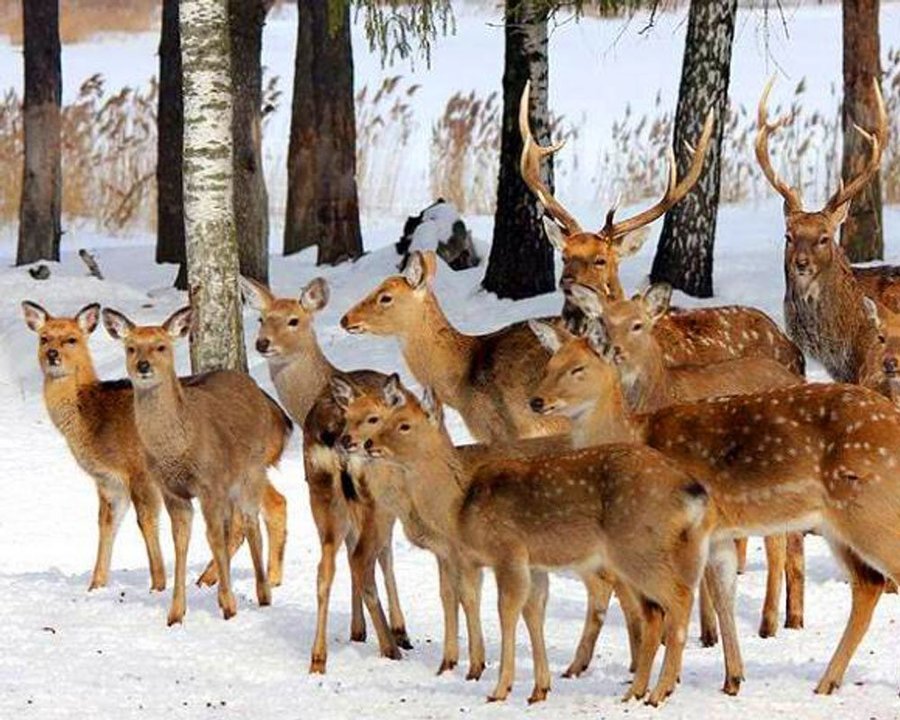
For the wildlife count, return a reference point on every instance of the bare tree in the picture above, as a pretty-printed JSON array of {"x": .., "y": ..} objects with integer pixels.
[{"x": 41, "y": 201}]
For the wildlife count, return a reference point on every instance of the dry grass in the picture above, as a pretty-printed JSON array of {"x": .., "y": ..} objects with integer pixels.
[
  {"x": 82, "y": 19},
  {"x": 890, "y": 163}
]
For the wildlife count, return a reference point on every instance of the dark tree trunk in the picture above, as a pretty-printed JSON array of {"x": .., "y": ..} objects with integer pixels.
[
  {"x": 861, "y": 236},
  {"x": 323, "y": 205},
  {"x": 251, "y": 202},
  {"x": 684, "y": 256},
  {"x": 40, "y": 208},
  {"x": 521, "y": 259},
  {"x": 170, "y": 147}
]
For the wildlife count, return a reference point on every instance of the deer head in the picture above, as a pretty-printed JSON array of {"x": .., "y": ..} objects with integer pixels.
[
  {"x": 149, "y": 357},
  {"x": 285, "y": 324},
  {"x": 63, "y": 342},
  {"x": 592, "y": 258},
  {"x": 884, "y": 356},
  {"x": 810, "y": 236}
]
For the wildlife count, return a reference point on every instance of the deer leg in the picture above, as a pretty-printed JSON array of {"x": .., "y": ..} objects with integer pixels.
[
  {"x": 147, "y": 502},
  {"x": 678, "y": 615},
  {"x": 776, "y": 548},
  {"x": 867, "y": 586},
  {"x": 218, "y": 516},
  {"x": 599, "y": 591},
  {"x": 634, "y": 619},
  {"x": 448, "y": 583},
  {"x": 795, "y": 576},
  {"x": 721, "y": 576},
  {"x": 210, "y": 574},
  {"x": 651, "y": 637},
  {"x": 386, "y": 561},
  {"x": 709, "y": 627},
  {"x": 357, "y": 617},
  {"x": 113, "y": 506},
  {"x": 274, "y": 512},
  {"x": 181, "y": 514},
  {"x": 740, "y": 545},
  {"x": 254, "y": 540},
  {"x": 534, "y": 612},
  {"x": 332, "y": 530},
  {"x": 469, "y": 593},
  {"x": 513, "y": 581}
]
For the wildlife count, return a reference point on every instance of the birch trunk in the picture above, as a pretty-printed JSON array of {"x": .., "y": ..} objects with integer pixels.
[
  {"x": 41, "y": 201},
  {"x": 684, "y": 256},
  {"x": 212, "y": 253},
  {"x": 521, "y": 259}
]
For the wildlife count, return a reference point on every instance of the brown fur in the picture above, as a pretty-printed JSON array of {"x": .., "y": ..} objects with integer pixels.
[
  {"x": 881, "y": 283},
  {"x": 881, "y": 368}
]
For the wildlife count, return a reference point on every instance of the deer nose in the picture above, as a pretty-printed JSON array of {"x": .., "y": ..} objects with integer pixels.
[
  {"x": 368, "y": 444},
  {"x": 345, "y": 322},
  {"x": 143, "y": 366},
  {"x": 536, "y": 404},
  {"x": 566, "y": 281},
  {"x": 262, "y": 345},
  {"x": 52, "y": 356},
  {"x": 802, "y": 262},
  {"x": 347, "y": 442},
  {"x": 890, "y": 364}
]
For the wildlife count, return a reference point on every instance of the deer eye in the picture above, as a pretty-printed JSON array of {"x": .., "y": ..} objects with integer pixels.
[
  {"x": 824, "y": 239},
  {"x": 882, "y": 339},
  {"x": 129, "y": 350},
  {"x": 788, "y": 238},
  {"x": 71, "y": 341},
  {"x": 259, "y": 320},
  {"x": 160, "y": 348},
  {"x": 405, "y": 427},
  {"x": 600, "y": 262},
  {"x": 44, "y": 339},
  {"x": 578, "y": 371},
  {"x": 637, "y": 327},
  {"x": 294, "y": 322},
  {"x": 372, "y": 419},
  {"x": 385, "y": 299}
]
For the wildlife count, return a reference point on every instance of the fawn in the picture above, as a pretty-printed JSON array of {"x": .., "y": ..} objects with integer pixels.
[
  {"x": 365, "y": 411},
  {"x": 823, "y": 297},
  {"x": 301, "y": 374},
  {"x": 582, "y": 510},
  {"x": 486, "y": 378},
  {"x": 807, "y": 457},
  {"x": 688, "y": 337},
  {"x": 880, "y": 370},
  {"x": 210, "y": 436}
]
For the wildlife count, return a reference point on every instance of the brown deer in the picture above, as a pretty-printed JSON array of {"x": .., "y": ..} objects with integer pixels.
[
  {"x": 806, "y": 457},
  {"x": 487, "y": 378},
  {"x": 365, "y": 411},
  {"x": 627, "y": 329},
  {"x": 211, "y": 436},
  {"x": 688, "y": 337},
  {"x": 301, "y": 374},
  {"x": 880, "y": 370},
  {"x": 583, "y": 510},
  {"x": 823, "y": 299}
]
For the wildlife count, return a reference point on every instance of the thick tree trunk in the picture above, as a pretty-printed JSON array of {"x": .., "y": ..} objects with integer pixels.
[
  {"x": 323, "y": 205},
  {"x": 521, "y": 259},
  {"x": 861, "y": 236},
  {"x": 684, "y": 256},
  {"x": 251, "y": 202},
  {"x": 40, "y": 206},
  {"x": 170, "y": 145},
  {"x": 212, "y": 254}
]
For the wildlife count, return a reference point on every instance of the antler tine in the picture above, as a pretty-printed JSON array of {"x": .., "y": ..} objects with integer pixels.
[
  {"x": 530, "y": 168},
  {"x": 764, "y": 129},
  {"x": 675, "y": 190},
  {"x": 877, "y": 139}
]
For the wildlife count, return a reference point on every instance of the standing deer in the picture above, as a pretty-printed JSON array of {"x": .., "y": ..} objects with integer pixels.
[
  {"x": 581, "y": 510},
  {"x": 301, "y": 374},
  {"x": 823, "y": 299},
  {"x": 211, "y": 436},
  {"x": 688, "y": 337},
  {"x": 817, "y": 457}
]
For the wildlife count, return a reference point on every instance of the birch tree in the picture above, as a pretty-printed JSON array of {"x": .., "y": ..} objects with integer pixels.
[{"x": 211, "y": 243}]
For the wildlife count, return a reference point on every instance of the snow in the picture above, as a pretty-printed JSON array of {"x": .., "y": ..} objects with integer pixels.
[{"x": 109, "y": 654}]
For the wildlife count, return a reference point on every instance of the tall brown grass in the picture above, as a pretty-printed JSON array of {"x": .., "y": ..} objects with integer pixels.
[{"x": 82, "y": 19}]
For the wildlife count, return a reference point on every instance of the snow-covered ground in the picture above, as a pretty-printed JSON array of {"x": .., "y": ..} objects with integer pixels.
[{"x": 64, "y": 652}]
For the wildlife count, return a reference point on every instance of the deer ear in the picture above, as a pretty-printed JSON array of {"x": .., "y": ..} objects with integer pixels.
[
  {"x": 256, "y": 295},
  {"x": 656, "y": 299},
  {"x": 433, "y": 407},
  {"x": 840, "y": 215},
  {"x": 393, "y": 392},
  {"x": 546, "y": 335},
  {"x": 315, "y": 295},
  {"x": 88, "y": 317},
  {"x": 342, "y": 392},
  {"x": 871, "y": 309},
  {"x": 632, "y": 242},
  {"x": 597, "y": 339},
  {"x": 414, "y": 274},
  {"x": 117, "y": 325},
  {"x": 554, "y": 233},
  {"x": 178, "y": 324},
  {"x": 35, "y": 315},
  {"x": 586, "y": 299}
]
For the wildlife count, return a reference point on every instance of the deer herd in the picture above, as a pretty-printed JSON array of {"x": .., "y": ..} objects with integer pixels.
[{"x": 631, "y": 443}]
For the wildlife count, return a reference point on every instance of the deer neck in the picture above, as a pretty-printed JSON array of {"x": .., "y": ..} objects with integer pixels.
[
  {"x": 61, "y": 396},
  {"x": 301, "y": 377},
  {"x": 647, "y": 387},
  {"x": 608, "y": 420},
  {"x": 438, "y": 354},
  {"x": 161, "y": 417}
]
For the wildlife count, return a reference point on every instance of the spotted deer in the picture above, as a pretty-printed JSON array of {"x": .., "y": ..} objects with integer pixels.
[
  {"x": 819, "y": 457},
  {"x": 210, "y": 436},
  {"x": 581, "y": 510},
  {"x": 881, "y": 368},
  {"x": 366, "y": 410},
  {"x": 486, "y": 378},
  {"x": 627, "y": 329},
  {"x": 823, "y": 297},
  {"x": 302, "y": 374},
  {"x": 688, "y": 337}
]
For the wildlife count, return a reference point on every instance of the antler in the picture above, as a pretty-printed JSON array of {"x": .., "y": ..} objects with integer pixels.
[
  {"x": 675, "y": 190},
  {"x": 877, "y": 140},
  {"x": 530, "y": 167},
  {"x": 791, "y": 197}
]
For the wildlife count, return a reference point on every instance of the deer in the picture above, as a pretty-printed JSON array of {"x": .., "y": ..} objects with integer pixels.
[
  {"x": 211, "y": 436},
  {"x": 688, "y": 337},
  {"x": 816, "y": 457},
  {"x": 649, "y": 385},
  {"x": 582, "y": 510},
  {"x": 365, "y": 411},
  {"x": 486, "y": 378},
  {"x": 880, "y": 370},
  {"x": 301, "y": 374},
  {"x": 823, "y": 298}
]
